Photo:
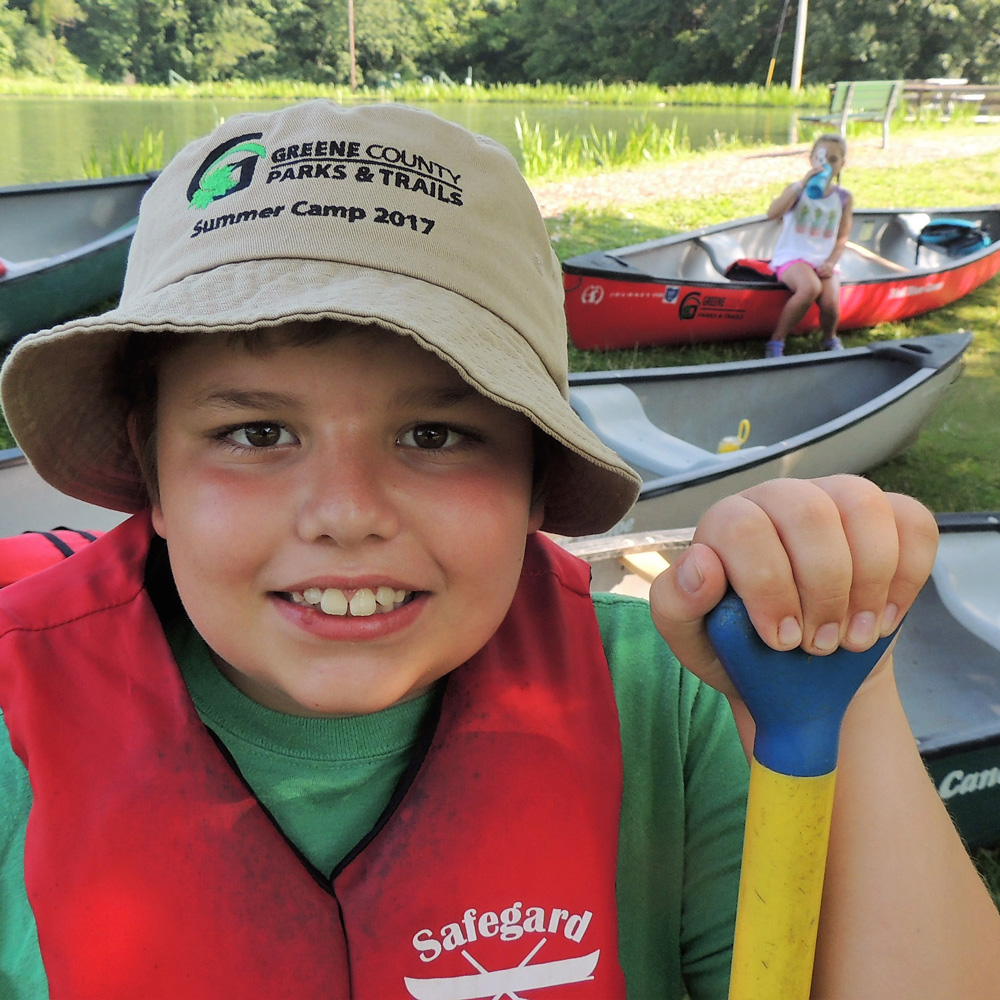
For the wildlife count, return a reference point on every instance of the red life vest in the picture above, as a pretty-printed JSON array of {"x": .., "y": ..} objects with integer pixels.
[
  {"x": 27, "y": 553},
  {"x": 153, "y": 872}
]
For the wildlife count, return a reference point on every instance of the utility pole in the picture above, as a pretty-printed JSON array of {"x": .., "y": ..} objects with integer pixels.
[
  {"x": 350, "y": 37},
  {"x": 800, "y": 43}
]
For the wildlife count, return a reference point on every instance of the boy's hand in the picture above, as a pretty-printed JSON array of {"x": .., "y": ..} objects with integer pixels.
[{"x": 819, "y": 563}]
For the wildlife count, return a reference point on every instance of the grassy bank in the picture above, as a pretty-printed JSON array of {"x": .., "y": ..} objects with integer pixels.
[{"x": 637, "y": 94}]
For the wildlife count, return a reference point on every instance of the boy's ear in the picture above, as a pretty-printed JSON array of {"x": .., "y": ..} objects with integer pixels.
[
  {"x": 139, "y": 450},
  {"x": 132, "y": 426},
  {"x": 536, "y": 516}
]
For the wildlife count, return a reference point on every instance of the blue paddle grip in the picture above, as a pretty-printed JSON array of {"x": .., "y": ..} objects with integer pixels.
[{"x": 797, "y": 700}]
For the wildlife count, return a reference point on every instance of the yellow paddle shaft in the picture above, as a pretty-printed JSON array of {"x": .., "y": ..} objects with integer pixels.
[{"x": 781, "y": 885}]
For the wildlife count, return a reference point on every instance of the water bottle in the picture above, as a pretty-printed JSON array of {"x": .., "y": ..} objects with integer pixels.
[{"x": 816, "y": 187}]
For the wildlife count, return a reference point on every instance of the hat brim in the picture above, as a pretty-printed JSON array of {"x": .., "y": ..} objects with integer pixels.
[{"x": 79, "y": 443}]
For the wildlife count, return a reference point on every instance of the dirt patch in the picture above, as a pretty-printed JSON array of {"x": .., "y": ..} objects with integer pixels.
[{"x": 718, "y": 172}]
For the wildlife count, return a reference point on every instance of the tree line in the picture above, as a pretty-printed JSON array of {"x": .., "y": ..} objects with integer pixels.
[{"x": 662, "y": 42}]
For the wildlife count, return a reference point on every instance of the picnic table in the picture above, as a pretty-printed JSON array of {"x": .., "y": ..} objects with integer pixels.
[{"x": 942, "y": 93}]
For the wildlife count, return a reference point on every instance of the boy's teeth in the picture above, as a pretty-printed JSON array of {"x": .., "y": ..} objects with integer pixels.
[
  {"x": 363, "y": 603},
  {"x": 333, "y": 602}
]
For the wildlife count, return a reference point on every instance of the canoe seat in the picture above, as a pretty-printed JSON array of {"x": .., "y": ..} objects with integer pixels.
[
  {"x": 615, "y": 414},
  {"x": 964, "y": 574}
]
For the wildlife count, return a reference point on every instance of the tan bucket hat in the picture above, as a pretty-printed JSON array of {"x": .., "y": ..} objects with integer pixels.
[{"x": 380, "y": 214}]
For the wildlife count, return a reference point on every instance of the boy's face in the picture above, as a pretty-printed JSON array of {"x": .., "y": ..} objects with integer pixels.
[{"x": 361, "y": 467}]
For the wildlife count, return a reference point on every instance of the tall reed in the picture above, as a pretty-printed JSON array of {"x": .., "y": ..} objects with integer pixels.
[
  {"x": 548, "y": 154},
  {"x": 127, "y": 156}
]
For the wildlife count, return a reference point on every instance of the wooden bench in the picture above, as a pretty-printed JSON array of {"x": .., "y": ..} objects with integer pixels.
[{"x": 861, "y": 100}]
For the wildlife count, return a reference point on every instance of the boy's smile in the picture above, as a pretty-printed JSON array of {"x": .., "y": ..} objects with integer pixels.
[{"x": 345, "y": 519}]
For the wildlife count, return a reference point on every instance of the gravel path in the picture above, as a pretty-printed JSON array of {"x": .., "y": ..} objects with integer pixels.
[{"x": 711, "y": 173}]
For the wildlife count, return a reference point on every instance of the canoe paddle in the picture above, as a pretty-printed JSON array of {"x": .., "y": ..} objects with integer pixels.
[{"x": 798, "y": 703}]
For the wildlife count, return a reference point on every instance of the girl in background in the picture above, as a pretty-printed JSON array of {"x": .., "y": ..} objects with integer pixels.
[{"x": 815, "y": 227}]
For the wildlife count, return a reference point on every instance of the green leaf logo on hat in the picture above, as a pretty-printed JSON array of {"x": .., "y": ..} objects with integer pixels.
[{"x": 216, "y": 178}]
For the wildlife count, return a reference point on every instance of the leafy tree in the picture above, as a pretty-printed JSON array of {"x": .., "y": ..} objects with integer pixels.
[
  {"x": 51, "y": 14},
  {"x": 12, "y": 28},
  {"x": 570, "y": 41},
  {"x": 489, "y": 43},
  {"x": 227, "y": 34},
  {"x": 309, "y": 39}
]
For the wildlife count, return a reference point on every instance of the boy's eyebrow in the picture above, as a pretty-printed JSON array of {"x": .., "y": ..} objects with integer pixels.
[
  {"x": 264, "y": 399},
  {"x": 248, "y": 399},
  {"x": 435, "y": 395}
]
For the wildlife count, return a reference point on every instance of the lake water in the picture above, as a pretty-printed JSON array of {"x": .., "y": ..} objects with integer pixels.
[{"x": 47, "y": 139}]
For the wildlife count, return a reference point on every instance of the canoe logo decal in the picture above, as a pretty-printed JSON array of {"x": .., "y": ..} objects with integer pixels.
[
  {"x": 592, "y": 295},
  {"x": 670, "y": 294},
  {"x": 689, "y": 305},
  {"x": 227, "y": 169},
  {"x": 960, "y": 783}
]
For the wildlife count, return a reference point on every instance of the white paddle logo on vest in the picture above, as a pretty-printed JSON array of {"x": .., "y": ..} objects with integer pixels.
[{"x": 531, "y": 971}]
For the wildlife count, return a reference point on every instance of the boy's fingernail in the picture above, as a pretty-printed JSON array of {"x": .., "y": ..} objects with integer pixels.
[
  {"x": 889, "y": 618},
  {"x": 861, "y": 629},
  {"x": 689, "y": 577},
  {"x": 827, "y": 637},
  {"x": 789, "y": 632}
]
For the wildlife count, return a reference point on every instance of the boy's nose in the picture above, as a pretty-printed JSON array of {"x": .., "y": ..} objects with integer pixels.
[{"x": 345, "y": 496}]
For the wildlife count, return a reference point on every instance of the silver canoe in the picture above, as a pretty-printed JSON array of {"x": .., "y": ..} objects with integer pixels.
[
  {"x": 809, "y": 415},
  {"x": 947, "y": 657},
  {"x": 27, "y": 502}
]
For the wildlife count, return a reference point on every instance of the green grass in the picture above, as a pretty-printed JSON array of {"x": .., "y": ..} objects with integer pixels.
[
  {"x": 988, "y": 863},
  {"x": 638, "y": 94}
]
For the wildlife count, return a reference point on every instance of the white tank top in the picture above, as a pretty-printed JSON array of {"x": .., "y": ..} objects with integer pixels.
[{"x": 809, "y": 229}]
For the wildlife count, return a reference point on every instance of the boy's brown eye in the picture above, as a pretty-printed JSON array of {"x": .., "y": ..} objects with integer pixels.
[
  {"x": 430, "y": 436},
  {"x": 262, "y": 435}
]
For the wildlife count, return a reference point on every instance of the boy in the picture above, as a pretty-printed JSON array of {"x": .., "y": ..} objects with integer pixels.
[{"x": 329, "y": 717}]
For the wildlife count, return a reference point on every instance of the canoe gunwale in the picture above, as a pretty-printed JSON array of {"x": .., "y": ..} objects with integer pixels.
[
  {"x": 83, "y": 184},
  {"x": 123, "y": 234},
  {"x": 12, "y": 456}
]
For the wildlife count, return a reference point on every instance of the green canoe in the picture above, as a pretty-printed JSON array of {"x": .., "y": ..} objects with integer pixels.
[{"x": 63, "y": 247}]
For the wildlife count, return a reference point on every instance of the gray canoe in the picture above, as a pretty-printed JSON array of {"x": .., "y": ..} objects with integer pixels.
[
  {"x": 810, "y": 415},
  {"x": 65, "y": 246},
  {"x": 947, "y": 657}
]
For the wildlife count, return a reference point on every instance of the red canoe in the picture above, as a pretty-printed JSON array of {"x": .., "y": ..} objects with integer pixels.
[{"x": 899, "y": 263}]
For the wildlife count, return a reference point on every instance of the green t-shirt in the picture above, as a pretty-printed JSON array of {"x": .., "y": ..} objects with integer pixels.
[{"x": 326, "y": 781}]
